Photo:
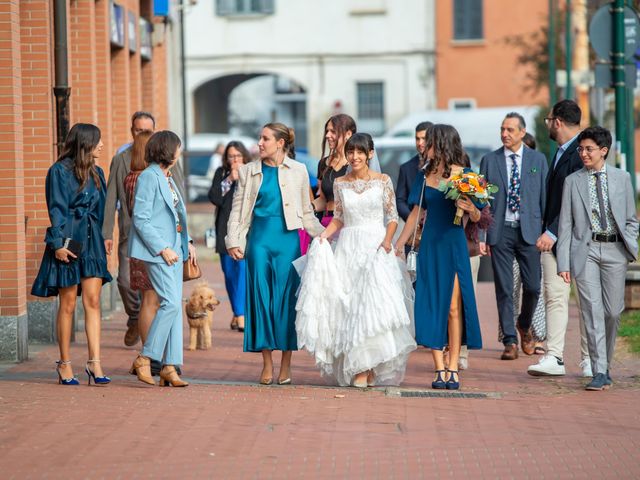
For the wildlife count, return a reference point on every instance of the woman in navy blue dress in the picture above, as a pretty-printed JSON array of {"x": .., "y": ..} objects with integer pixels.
[
  {"x": 75, "y": 191},
  {"x": 445, "y": 306}
]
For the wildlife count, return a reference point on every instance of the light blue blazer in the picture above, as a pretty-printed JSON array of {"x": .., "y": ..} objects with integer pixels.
[{"x": 154, "y": 220}]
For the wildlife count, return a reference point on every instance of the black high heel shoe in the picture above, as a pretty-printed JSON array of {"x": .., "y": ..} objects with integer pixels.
[
  {"x": 97, "y": 380},
  {"x": 65, "y": 381},
  {"x": 451, "y": 383},
  {"x": 439, "y": 383}
]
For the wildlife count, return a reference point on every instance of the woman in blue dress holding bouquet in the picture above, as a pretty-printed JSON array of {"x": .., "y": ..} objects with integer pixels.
[{"x": 445, "y": 306}]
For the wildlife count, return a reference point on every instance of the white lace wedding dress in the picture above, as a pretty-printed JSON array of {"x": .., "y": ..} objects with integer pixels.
[{"x": 354, "y": 308}]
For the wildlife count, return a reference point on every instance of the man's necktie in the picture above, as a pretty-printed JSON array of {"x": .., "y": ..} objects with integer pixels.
[
  {"x": 603, "y": 213},
  {"x": 513, "y": 195}
]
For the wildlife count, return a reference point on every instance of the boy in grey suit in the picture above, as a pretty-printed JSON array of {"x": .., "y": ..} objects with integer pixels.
[{"x": 597, "y": 238}]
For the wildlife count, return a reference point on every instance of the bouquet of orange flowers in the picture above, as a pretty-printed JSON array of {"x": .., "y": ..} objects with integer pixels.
[{"x": 470, "y": 184}]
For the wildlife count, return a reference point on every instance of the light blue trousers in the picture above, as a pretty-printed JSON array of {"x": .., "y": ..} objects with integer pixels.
[{"x": 164, "y": 341}]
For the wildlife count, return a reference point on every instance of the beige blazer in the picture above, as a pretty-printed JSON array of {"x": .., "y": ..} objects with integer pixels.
[
  {"x": 294, "y": 188},
  {"x": 574, "y": 228}
]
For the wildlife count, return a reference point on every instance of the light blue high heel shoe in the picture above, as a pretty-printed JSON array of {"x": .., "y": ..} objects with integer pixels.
[
  {"x": 65, "y": 381},
  {"x": 97, "y": 380}
]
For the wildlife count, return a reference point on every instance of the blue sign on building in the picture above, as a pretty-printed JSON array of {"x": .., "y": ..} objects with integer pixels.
[{"x": 161, "y": 8}]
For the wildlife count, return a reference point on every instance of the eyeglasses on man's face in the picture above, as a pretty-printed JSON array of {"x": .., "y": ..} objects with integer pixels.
[
  {"x": 548, "y": 120},
  {"x": 588, "y": 150}
]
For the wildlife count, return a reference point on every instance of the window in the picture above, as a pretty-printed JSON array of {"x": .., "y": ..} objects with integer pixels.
[
  {"x": 467, "y": 20},
  {"x": 462, "y": 103},
  {"x": 371, "y": 107},
  {"x": 225, "y": 8}
]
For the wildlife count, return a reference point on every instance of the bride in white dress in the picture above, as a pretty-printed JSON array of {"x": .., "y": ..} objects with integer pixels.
[{"x": 353, "y": 305}]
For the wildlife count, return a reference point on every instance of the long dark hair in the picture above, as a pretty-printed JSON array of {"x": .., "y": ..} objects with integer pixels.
[
  {"x": 82, "y": 140},
  {"x": 246, "y": 156},
  {"x": 342, "y": 123},
  {"x": 447, "y": 149}
]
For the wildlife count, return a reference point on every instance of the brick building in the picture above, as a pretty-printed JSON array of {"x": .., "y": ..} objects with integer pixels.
[
  {"x": 474, "y": 65},
  {"x": 119, "y": 58}
]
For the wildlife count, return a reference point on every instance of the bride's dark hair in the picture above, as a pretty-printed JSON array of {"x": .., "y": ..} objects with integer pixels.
[
  {"x": 359, "y": 141},
  {"x": 447, "y": 149}
]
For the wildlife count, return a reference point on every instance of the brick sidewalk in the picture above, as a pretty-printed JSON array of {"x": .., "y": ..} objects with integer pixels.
[{"x": 226, "y": 426}]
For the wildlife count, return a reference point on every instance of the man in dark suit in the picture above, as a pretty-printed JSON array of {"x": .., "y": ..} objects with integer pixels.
[
  {"x": 517, "y": 209},
  {"x": 563, "y": 123},
  {"x": 409, "y": 170}
]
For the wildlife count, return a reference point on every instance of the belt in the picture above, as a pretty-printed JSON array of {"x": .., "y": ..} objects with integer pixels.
[
  {"x": 603, "y": 237},
  {"x": 514, "y": 224}
]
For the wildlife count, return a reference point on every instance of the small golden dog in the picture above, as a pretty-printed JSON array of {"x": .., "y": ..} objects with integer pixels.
[{"x": 199, "y": 310}]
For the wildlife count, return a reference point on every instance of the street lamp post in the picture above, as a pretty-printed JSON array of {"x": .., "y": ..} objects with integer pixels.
[
  {"x": 568, "y": 50},
  {"x": 619, "y": 85},
  {"x": 551, "y": 41}
]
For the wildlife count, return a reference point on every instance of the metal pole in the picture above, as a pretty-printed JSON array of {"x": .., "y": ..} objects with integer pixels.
[
  {"x": 183, "y": 78},
  {"x": 568, "y": 50},
  {"x": 631, "y": 122},
  {"x": 551, "y": 41},
  {"x": 61, "y": 88},
  {"x": 618, "y": 79}
]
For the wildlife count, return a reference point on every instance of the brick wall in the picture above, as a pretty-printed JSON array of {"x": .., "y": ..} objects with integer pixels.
[
  {"x": 38, "y": 123},
  {"x": 487, "y": 69},
  {"x": 107, "y": 86},
  {"x": 12, "y": 237}
]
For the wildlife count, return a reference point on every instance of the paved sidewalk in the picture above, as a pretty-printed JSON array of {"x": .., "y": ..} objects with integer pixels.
[{"x": 226, "y": 426}]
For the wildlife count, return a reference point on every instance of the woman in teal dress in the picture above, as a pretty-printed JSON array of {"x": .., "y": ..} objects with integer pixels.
[
  {"x": 445, "y": 305},
  {"x": 270, "y": 204}
]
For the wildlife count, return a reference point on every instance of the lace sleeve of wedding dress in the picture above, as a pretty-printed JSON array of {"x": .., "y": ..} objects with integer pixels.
[
  {"x": 389, "y": 202},
  {"x": 337, "y": 199}
]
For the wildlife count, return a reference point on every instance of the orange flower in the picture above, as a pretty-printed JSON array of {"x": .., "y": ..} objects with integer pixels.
[{"x": 464, "y": 187}]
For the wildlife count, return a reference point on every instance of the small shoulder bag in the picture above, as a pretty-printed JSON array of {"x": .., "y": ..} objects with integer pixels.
[{"x": 412, "y": 256}]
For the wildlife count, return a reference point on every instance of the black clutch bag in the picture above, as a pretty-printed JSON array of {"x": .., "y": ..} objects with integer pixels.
[{"x": 73, "y": 246}]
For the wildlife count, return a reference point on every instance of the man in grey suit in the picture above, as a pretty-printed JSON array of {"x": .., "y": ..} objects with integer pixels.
[
  {"x": 116, "y": 201},
  {"x": 597, "y": 238},
  {"x": 517, "y": 208}
]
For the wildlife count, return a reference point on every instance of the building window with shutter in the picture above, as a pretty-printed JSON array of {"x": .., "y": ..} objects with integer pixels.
[
  {"x": 371, "y": 107},
  {"x": 467, "y": 20},
  {"x": 228, "y": 8}
]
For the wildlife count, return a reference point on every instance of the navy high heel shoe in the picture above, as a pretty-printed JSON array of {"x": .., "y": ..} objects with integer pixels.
[
  {"x": 451, "y": 383},
  {"x": 65, "y": 381},
  {"x": 97, "y": 380},
  {"x": 439, "y": 383}
]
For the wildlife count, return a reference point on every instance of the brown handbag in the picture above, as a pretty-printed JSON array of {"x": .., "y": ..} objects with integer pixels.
[{"x": 190, "y": 271}]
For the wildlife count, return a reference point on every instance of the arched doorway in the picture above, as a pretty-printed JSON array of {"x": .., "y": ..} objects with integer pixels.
[{"x": 241, "y": 103}]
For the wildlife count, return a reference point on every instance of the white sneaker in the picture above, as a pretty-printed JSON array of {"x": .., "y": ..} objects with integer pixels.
[
  {"x": 548, "y": 365},
  {"x": 585, "y": 364},
  {"x": 463, "y": 363}
]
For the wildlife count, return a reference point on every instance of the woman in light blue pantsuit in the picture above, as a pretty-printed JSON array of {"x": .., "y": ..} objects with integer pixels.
[{"x": 159, "y": 237}]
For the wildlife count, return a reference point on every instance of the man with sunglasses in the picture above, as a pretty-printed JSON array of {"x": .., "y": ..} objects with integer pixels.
[{"x": 563, "y": 123}]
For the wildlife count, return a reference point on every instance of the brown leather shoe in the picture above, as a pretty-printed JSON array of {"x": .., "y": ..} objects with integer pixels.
[
  {"x": 142, "y": 369},
  {"x": 527, "y": 343},
  {"x": 169, "y": 376},
  {"x": 132, "y": 336},
  {"x": 510, "y": 352}
]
